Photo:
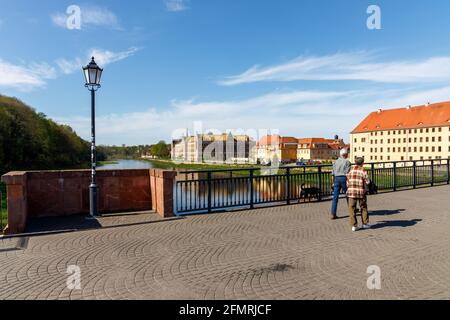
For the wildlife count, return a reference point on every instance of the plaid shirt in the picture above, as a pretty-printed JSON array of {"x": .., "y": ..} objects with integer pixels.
[{"x": 357, "y": 179}]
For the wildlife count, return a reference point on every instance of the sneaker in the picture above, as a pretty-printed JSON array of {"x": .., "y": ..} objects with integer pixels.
[
  {"x": 366, "y": 226},
  {"x": 354, "y": 229},
  {"x": 333, "y": 217}
]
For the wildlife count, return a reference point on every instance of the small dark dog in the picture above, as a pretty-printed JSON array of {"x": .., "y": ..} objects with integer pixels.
[
  {"x": 309, "y": 193},
  {"x": 372, "y": 188}
]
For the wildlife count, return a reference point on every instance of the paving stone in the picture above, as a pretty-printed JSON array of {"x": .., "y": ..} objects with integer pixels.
[{"x": 291, "y": 252}]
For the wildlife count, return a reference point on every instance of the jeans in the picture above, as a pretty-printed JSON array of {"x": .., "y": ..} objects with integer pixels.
[{"x": 340, "y": 185}]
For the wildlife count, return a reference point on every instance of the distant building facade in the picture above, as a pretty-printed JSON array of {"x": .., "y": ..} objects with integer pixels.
[
  {"x": 412, "y": 133},
  {"x": 209, "y": 148},
  {"x": 320, "y": 148},
  {"x": 290, "y": 149},
  {"x": 274, "y": 148}
]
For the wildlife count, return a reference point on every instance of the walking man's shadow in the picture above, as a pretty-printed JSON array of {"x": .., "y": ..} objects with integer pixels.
[{"x": 396, "y": 224}]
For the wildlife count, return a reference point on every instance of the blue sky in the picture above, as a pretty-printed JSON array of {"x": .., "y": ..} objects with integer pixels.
[{"x": 301, "y": 68}]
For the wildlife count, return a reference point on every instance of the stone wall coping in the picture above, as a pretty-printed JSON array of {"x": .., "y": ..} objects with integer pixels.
[
  {"x": 87, "y": 173},
  {"x": 165, "y": 174},
  {"x": 15, "y": 178}
]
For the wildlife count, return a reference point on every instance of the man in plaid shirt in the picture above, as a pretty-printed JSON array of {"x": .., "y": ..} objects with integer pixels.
[{"x": 357, "y": 180}]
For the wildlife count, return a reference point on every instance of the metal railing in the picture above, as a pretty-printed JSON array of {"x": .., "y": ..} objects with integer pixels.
[{"x": 212, "y": 190}]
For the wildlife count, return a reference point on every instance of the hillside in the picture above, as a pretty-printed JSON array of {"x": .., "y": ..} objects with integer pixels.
[{"x": 30, "y": 141}]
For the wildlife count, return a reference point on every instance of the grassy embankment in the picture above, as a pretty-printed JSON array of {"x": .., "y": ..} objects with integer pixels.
[
  {"x": 168, "y": 164},
  {"x": 105, "y": 163}
]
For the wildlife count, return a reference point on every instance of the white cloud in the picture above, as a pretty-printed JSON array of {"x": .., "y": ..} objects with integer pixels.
[
  {"x": 102, "y": 57},
  {"x": 25, "y": 77},
  {"x": 348, "y": 66},
  {"x": 35, "y": 75},
  {"x": 176, "y": 5},
  {"x": 90, "y": 16},
  {"x": 298, "y": 113}
]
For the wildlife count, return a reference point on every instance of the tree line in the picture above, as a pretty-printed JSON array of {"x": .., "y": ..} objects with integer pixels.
[
  {"x": 31, "y": 141},
  {"x": 161, "y": 150}
]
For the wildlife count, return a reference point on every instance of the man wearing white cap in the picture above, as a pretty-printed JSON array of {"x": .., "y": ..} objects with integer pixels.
[{"x": 341, "y": 168}]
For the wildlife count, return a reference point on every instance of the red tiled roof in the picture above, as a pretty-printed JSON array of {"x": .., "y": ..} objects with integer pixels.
[
  {"x": 432, "y": 115},
  {"x": 276, "y": 139}
]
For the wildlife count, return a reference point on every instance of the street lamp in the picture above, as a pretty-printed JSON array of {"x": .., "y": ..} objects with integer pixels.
[{"x": 93, "y": 73}]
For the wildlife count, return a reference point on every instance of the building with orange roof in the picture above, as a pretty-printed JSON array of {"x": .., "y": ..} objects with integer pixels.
[
  {"x": 289, "y": 149},
  {"x": 275, "y": 148},
  {"x": 319, "y": 148},
  {"x": 405, "y": 134}
]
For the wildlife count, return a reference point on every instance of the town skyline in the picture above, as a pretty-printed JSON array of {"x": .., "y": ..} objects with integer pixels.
[{"x": 169, "y": 63}]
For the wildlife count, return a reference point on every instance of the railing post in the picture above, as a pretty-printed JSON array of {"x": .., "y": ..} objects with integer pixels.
[
  {"x": 448, "y": 171},
  {"x": 209, "y": 192},
  {"x": 415, "y": 174},
  {"x": 395, "y": 176},
  {"x": 320, "y": 182},
  {"x": 252, "y": 200},
  {"x": 288, "y": 185},
  {"x": 432, "y": 173},
  {"x": 372, "y": 172}
]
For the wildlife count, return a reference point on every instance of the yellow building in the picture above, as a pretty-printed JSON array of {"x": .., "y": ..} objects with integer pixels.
[
  {"x": 274, "y": 148},
  {"x": 209, "y": 148},
  {"x": 319, "y": 148},
  {"x": 411, "y": 133}
]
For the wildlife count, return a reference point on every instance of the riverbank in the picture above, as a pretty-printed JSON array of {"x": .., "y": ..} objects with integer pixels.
[
  {"x": 168, "y": 164},
  {"x": 106, "y": 163}
]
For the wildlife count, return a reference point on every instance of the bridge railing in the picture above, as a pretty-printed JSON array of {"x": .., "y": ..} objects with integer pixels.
[{"x": 212, "y": 190}]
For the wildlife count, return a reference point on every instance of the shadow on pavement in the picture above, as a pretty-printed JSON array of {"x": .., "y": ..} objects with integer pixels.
[
  {"x": 386, "y": 212},
  {"x": 82, "y": 222},
  {"x": 51, "y": 224},
  {"x": 396, "y": 224}
]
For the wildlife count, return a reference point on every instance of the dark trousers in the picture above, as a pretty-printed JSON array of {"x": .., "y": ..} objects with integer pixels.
[{"x": 352, "y": 204}]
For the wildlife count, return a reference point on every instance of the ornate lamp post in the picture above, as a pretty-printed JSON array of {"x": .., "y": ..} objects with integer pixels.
[{"x": 93, "y": 73}]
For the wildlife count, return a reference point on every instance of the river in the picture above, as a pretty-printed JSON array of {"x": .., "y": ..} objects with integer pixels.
[{"x": 129, "y": 164}]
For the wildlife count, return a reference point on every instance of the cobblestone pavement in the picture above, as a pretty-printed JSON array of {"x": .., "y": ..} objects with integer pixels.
[{"x": 291, "y": 252}]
